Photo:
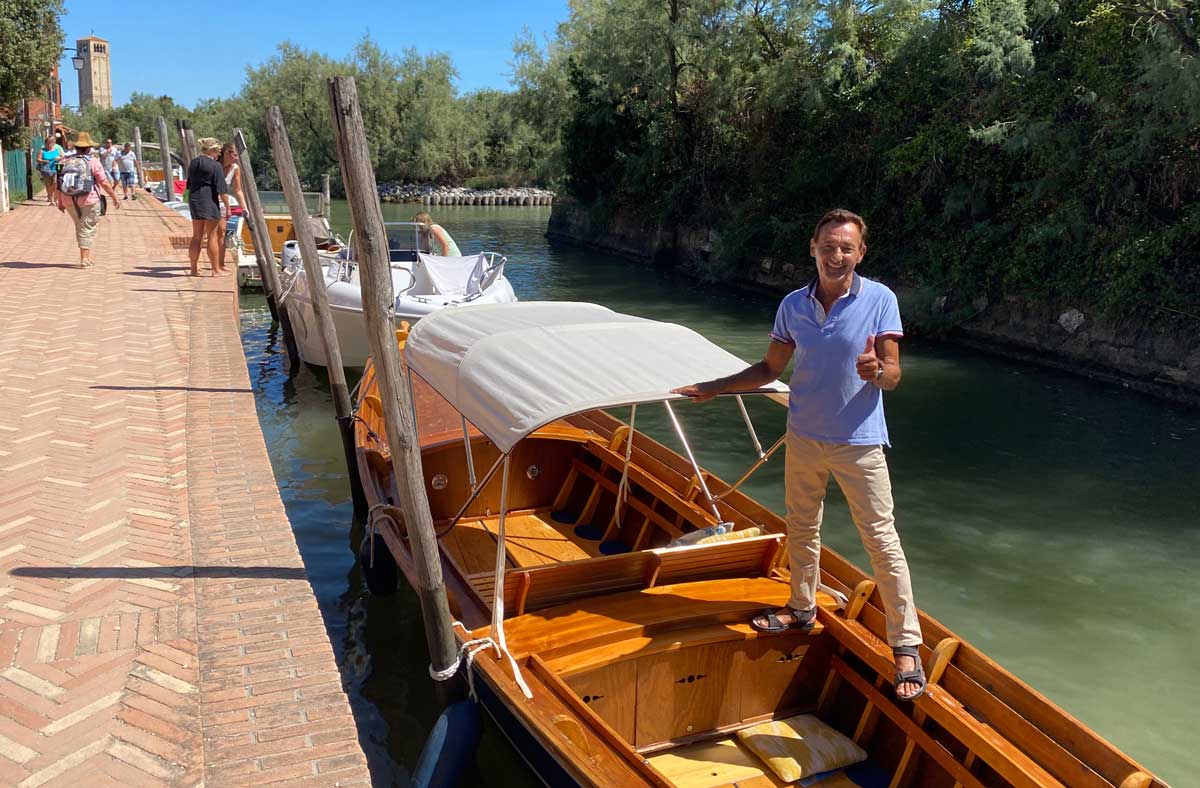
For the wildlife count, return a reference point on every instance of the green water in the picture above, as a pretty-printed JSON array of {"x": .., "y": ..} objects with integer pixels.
[{"x": 1049, "y": 520}]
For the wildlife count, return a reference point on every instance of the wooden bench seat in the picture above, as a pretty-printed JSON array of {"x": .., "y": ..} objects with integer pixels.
[
  {"x": 532, "y": 539},
  {"x": 552, "y": 584},
  {"x": 597, "y": 621}
]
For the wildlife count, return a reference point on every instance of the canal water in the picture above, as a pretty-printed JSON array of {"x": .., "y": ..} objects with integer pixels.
[{"x": 1051, "y": 521}]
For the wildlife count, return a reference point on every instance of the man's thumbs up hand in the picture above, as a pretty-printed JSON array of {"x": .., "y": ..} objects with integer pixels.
[{"x": 868, "y": 364}]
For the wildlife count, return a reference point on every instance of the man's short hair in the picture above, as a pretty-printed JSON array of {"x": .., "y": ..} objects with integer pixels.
[{"x": 841, "y": 216}]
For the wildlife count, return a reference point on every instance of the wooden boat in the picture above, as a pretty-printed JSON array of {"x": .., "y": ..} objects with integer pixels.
[
  {"x": 639, "y": 666},
  {"x": 282, "y": 234}
]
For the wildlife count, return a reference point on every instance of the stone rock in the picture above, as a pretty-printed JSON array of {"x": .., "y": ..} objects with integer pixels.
[
  {"x": 1071, "y": 320},
  {"x": 980, "y": 303}
]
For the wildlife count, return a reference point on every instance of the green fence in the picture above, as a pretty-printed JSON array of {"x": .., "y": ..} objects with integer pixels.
[{"x": 16, "y": 171}]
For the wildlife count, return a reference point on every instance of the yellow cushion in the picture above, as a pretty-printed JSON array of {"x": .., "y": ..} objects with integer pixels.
[
  {"x": 745, "y": 533},
  {"x": 800, "y": 747}
]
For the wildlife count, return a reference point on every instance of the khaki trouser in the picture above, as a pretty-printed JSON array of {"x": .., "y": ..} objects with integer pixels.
[
  {"x": 85, "y": 218},
  {"x": 861, "y": 472}
]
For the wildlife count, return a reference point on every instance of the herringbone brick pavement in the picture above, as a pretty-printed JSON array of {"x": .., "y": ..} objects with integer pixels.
[{"x": 156, "y": 623}]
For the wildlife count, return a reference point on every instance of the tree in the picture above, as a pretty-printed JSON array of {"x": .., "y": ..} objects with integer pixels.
[{"x": 31, "y": 39}]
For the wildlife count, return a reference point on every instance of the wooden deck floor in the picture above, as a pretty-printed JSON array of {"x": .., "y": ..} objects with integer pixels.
[{"x": 156, "y": 623}]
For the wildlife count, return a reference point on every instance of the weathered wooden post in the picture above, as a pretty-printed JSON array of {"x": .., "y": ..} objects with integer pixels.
[
  {"x": 370, "y": 241},
  {"x": 263, "y": 254},
  {"x": 137, "y": 151},
  {"x": 190, "y": 137},
  {"x": 325, "y": 195},
  {"x": 164, "y": 147},
  {"x": 185, "y": 146},
  {"x": 289, "y": 181}
]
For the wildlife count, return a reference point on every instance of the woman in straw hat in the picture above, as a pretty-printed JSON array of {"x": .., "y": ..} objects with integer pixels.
[
  {"x": 80, "y": 179},
  {"x": 206, "y": 185}
]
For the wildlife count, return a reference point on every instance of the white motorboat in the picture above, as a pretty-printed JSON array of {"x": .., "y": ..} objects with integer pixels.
[{"x": 421, "y": 283}]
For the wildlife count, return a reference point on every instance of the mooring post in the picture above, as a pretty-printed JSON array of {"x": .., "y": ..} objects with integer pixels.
[
  {"x": 263, "y": 253},
  {"x": 190, "y": 135},
  {"x": 370, "y": 240},
  {"x": 185, "y": 146},
  {"x": 325, "y": 195},
  {"x": 137, "y": 151},
  {"x": 285, "y": 167},
  {"x": 164, "y": 147}
]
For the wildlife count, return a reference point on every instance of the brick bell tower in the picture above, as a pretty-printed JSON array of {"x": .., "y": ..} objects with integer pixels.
[{"x": 95, "y": 79}]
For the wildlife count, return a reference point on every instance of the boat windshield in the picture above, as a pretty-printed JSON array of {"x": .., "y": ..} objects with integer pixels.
[{"x": 404, "y": 241}]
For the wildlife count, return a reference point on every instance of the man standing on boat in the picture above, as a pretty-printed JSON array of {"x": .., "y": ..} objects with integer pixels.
[{"x": 843, "y": 331}]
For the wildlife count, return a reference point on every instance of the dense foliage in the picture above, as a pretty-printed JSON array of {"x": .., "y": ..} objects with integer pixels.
[
  {"x": 418, "y": 126},
  {"x": 30, "y": 41},
  {"x": 1000, "y": 147},
  {"x": 1047, "y": 147}
]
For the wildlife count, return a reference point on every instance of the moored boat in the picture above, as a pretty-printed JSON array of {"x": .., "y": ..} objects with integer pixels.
[
  {"x": 421, "y": 285},
  {"x": 282, "y": 232},
  {"x": 613, "y": 656}
]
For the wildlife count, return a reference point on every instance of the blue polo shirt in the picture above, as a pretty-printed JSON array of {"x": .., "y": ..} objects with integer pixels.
[{"x": 829, "y": 401}]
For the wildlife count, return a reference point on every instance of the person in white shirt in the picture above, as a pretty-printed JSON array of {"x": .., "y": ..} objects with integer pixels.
[
  {"x": 127, "y": 166},
  {"x": 108, "y": 159}
]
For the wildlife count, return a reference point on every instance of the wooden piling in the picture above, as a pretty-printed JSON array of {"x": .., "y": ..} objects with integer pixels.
[
  {"x": 285, "y": 167},
  {"x": 325, "y": 195},
  {"x": 263, "y": 253},
  {"x": 137, "y": 151},
  {"x": 185, "y": 148},
  {"x": 370, "y": 240},
  {"x": 164, "y": 147},
  {"x": 190, "y": 136}
]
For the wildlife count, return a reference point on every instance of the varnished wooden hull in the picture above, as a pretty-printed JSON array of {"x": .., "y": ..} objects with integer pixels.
[{"x": 647, "y": 653}]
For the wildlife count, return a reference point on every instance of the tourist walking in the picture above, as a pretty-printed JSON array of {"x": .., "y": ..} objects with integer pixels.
[
  {"x": 80, "y": 178},
  {"x": 233, "y": 199},
  {"x": 108, "y": 159},
  {"x": 127, "y": 165},
  {"x": 206, "y": 185},
  {"x": 47, "y": 163},
  {"x": 842, "y": 331},
  {"x": 433, "y": 237}
]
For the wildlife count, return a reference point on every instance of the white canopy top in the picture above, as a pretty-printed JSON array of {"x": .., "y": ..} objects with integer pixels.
[{"x": 512, "y": 368}]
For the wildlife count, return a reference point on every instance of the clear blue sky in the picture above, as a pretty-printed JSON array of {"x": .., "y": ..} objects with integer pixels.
[{"x": 179, "y": 50}]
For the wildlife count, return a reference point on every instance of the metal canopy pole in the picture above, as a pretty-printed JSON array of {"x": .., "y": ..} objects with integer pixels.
[
  {"x": 470, "y": 458},
  {"x": 487, "y": 477},
  {"x": 749, "y": 425},
  {"x": 712, "y": 504},
  {"x": 758, "y": 464}
]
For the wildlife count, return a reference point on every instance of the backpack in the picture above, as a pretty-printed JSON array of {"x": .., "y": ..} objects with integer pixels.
[{"x": 75, "y": 176}]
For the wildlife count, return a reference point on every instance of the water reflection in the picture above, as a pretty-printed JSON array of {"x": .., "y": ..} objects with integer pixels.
[{"x": 1049, "y": 520}]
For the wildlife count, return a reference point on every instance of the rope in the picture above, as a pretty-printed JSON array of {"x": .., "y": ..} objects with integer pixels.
[
  {"x": 287, "y": 290},
  {"x": 498, "y": 587},
  {"x": 467, "y": 650},
  {"x": 373, "y": 529},
  {"x": 623, "y": 487}
]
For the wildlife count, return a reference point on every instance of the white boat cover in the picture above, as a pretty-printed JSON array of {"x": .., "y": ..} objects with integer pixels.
[
  {"x": 455, "y": 276},
  {"x": 512, "y": 368}
]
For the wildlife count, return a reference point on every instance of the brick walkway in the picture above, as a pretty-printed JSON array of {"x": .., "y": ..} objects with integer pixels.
[{"x": 156, "y": 623}]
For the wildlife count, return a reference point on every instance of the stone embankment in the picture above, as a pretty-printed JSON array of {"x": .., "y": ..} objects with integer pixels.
[
  {"x": 429, "y": 194},
  {"x": 1147, "y": 353}
]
